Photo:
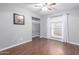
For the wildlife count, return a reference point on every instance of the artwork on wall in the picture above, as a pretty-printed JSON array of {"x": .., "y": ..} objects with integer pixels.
[{"x": 19, "y": 19}]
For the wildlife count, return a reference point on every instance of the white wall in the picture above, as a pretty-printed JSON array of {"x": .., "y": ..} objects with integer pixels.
[
  {"x": 74, "y": 26},
  {"x": 73, "y": 22},
  {"x": 11, "y": 34},
  {"x": 43, "y": 26}
]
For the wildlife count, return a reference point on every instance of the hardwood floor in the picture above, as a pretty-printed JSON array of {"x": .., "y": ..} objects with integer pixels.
[{"x": 42, "y": 46}]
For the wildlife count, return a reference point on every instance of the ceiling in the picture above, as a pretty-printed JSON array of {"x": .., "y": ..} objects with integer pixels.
[{"x": 59, "y": 7}]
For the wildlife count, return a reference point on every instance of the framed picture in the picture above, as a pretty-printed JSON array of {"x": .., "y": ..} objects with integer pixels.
[{"x": 19, "y": 19}]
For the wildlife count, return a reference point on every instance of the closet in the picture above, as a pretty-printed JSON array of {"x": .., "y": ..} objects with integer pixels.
[{"x": 35, "y": 27}]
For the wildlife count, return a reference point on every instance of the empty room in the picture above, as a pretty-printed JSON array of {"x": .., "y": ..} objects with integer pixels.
[{"x": 39, "y": 29}]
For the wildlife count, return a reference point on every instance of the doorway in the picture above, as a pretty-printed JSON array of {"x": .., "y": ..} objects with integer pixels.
[{"x": 35, "y": 27}]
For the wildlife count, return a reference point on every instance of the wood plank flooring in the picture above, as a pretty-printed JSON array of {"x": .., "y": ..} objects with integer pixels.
[{"x": 42, "y": 46}]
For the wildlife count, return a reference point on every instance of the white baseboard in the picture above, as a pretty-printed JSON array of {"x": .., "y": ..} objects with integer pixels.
[
  {"x": 61, "y": 40},
  {"x": 43, "y": 37},
  {"x": 14, "y": 45},
  {"x": 36, "y": 36},
  {"x": 67, "y": 42},
  {"x": 73, "y": 43},
  {"x": 55, "y": 39}
]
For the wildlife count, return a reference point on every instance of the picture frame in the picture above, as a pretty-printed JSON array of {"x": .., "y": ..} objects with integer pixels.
[{"x": 18, "y": 19}]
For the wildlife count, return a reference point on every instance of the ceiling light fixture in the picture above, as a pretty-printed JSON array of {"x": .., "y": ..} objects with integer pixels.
[{"x": 46, "y": 6}]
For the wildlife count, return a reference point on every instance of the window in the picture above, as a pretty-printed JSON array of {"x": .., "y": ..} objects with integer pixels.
[{"x": 56, "y": 27}]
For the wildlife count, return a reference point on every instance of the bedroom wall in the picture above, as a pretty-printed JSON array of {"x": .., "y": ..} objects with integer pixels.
[
  {"x": 73, "y": 22},
  {"x": 72, "y": 26},
  {"x": 11, "y": 34},
  {"x": 43, "y": 26}
]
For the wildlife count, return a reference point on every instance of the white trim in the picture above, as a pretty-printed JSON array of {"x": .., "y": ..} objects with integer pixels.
[
  {"x": 51, "y": 38},
  {"x": 67, "y": 41},
  {"x": 36, "y": 36},
  {"x": 73, "y": 43},
  {"x": 56, "y": 39},
  {"x": 64, "y": 41},
  {"x": 44, "y": 37},
  {"x": 15, "y": 45}
]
